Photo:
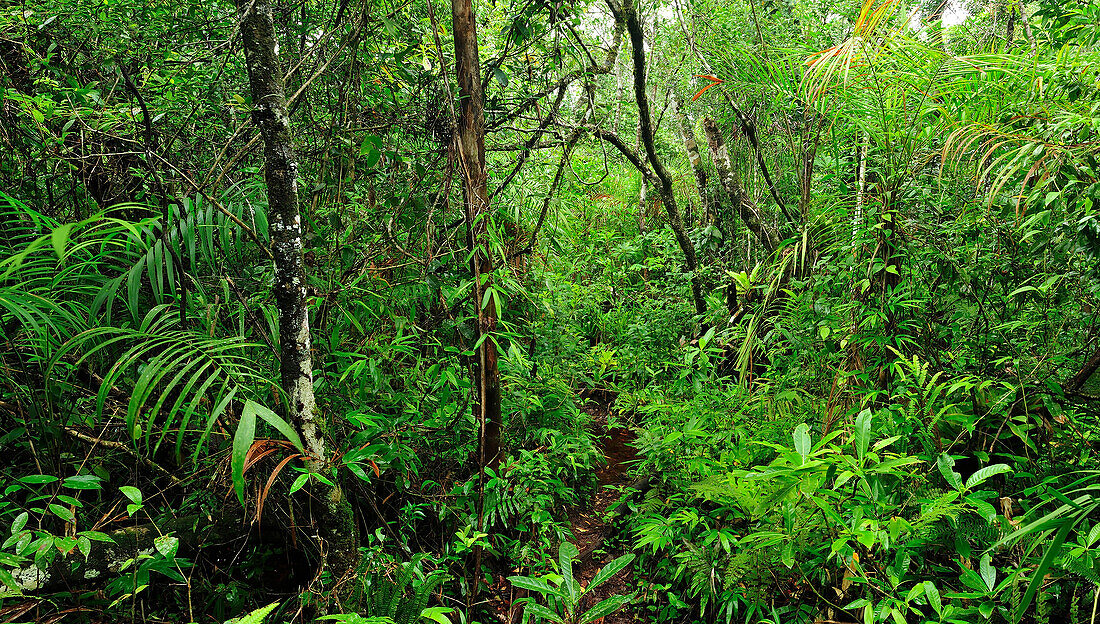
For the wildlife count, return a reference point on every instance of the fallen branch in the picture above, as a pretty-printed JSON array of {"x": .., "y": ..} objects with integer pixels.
[{"x": 118, "y": 446}]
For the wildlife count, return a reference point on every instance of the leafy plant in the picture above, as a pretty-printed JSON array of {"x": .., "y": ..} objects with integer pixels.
[{"x": 564, "y": 594}]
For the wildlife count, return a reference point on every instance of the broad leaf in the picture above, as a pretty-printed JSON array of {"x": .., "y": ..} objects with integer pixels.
[
  {"x": 610, "y": 570},
  {"x": 242, "y": 441},
  {"x": 604, "y": 608}
]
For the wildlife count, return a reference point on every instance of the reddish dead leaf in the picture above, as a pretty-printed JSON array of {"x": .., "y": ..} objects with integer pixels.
[{"x": 713, "y": 82}]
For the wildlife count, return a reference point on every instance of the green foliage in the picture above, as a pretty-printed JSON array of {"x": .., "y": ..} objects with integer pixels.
[
  {"x": 563, "y": 592},
  {"x": 880, "y": 422},
  {"x": 398, "y": 596}
]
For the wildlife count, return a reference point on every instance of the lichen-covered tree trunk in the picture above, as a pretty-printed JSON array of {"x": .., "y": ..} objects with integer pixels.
[
  {"x": 668, "y": 198},
  {"x": 470, "y": 148},
  {"x": 269, "y": 113},
  {"x": 687, "y": 133},
  {"x": 744, "y": 205},
  {"x": 643, "y": 200}
]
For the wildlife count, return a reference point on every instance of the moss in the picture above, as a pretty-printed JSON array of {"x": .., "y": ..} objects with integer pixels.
[{"x": 341, "y": 533}]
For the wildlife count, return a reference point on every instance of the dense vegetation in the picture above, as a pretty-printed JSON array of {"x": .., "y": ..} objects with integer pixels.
[{"x": 545, "y": 311}]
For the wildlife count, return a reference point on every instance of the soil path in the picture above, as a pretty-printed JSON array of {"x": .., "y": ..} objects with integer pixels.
[{"x": 591, "y": 527}]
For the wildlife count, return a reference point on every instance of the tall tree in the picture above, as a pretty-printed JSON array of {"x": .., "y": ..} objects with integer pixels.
[{"x": 470, "y": 149}]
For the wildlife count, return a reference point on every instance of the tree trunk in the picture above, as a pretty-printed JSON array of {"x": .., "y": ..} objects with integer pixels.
[
  {"x": 668, "y": 198},
  {"x": 470, "y": 149},
  {"x": 744, "y": 205},
  {"x": 643, "y": 201},
  {"x": 687, "y": 133},
  {"x": 470, "y": 144},
  {"x": 861, "y": 187},
  {"x": 336, "y": 528}
]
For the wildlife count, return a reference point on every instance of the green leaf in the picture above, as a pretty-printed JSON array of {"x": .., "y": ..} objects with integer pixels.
[
  {"x": 242, "y": 441},
  {"x": 863, "y": 433},
  {"x": 604, "y": 608},
  {"x": 981, "y": 475},
  {"x": 1048, "y": 558},
  {"x": 98, "y": 536},
  {"x": 299, "y": 482},
  {"x": 567, "y": 552},
  {"x": 881, "y": 444},
  {"x": 945, "y": 463},
  {"x": 255, "y": 617},
  {"x": 1021, "y": 290},
  {"x": 501, "y": 77},
  {"x": 59, "y": 238},
  {"x": 531, "y": 583},
  {"x": 437, "y": 614},
  {"x": 610, "y": 570},
  {"x": 9, "y": 581},
  {"x": 62, "y": 512},
  {"x": 64, "y": 545},
  {"x": 542, "y": 612},
  {"x": 802, "y": 444},
  {"x": 372, "y": 159},
  {"x": 986, "y": 610},
  {"x": 985, "y": 510},
  {"x": 276, "y": 421},
  {"x": 38, "y": 479},
  {"x": 19, "y": 522},
  {"x": 83, "y": 482},
  {"x": 167, "y": 546},
  {"x": 131, "y": 493},
  {"x": 933, "y": 596},
  {"x": 988, "y": 572}
]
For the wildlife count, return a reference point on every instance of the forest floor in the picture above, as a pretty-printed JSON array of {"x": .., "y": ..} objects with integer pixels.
[{"x": 592, "y": 527}]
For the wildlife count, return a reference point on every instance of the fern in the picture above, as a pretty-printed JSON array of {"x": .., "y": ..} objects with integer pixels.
[
  {"x": 399, "y": 599},
  {"x": 942, "y": 507}
]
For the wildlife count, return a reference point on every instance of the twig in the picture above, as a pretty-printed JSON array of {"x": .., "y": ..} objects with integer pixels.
[{"x": 118, "y": 446}]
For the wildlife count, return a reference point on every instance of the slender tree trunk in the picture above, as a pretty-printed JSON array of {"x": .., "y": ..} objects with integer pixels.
[
  {"x": 744, "y": 205},
  {"x": 470, "y": 148},
  {"x": 281, "y": 176},
  {"x": 668, "y": 198},
  {"x": 643, "y": 202},
  {"x": 687, "y": 133},
  {"x": 861, "y": 186},
  {"x": 620, "y": 92},
  {"x": 269, "y": 113},
  {"x": 1027, "y": 29},
  {"x": 470, "y": 144}
]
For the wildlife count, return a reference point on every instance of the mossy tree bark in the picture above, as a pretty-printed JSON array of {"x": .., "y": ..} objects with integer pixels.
[
  {"x": 746, "y": 208},
  {"x": 687, "y": 133},
  {"x": 338, "y": 546}
]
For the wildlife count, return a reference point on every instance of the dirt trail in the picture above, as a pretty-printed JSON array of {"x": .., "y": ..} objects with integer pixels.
[
  {"x": 591, "y": 529},
  {"x": 590, "y": 526}
]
